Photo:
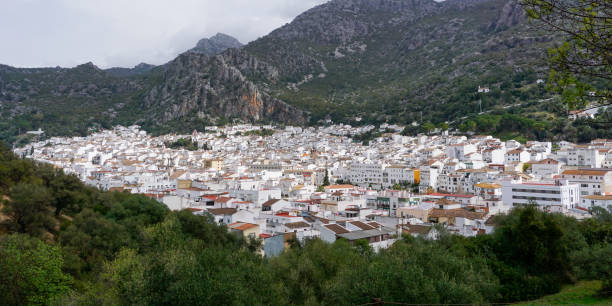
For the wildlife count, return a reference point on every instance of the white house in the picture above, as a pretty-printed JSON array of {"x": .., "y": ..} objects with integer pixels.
[
  {"x": 581, "y": 156},
  {"x": 493, "y": 155},
  {"x": 459, "y": 151},
  {"x": 546, "y": 168},
  {"x": 274, "y": 205},
  {"x": 596, "y": 200},
  {"x": 592, "y": 181},
  {"x": 517, "y": 156},
  {"x": 483, "y": 89}
]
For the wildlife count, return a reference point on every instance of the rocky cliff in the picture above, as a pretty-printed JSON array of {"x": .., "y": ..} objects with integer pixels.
[{"x": 218, "y": 86}]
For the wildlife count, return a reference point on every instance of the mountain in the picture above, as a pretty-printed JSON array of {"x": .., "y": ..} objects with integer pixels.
[
  {"x": 394, "y": 59},
  {"x": 216, "y": 44},
  {"x": 217, "y": 86},
  {"x": 380, "y": 60},
  {"x": 141, "y": 68}
]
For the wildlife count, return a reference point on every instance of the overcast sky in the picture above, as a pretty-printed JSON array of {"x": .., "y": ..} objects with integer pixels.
[{"x": 43, "y": 33}]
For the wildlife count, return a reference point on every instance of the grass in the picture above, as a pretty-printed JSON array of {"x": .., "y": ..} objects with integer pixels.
[{"x": 581, "y": 293}]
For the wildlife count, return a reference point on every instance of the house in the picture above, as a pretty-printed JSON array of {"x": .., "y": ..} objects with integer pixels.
[
  {"x": 596, "y": 200},
  {"x": 357, "y": 225},
  {"x": 517, "y": 156},
  {"x": 464, "y": 199},
  {"x": 459, "y": 151},
  {"x": 483, "y": 89},
  {"x": 330, "y": 232},
  {"x": 250, "y": 230},
  {"x": 379, "y": 238},
  {"x": 275, "y": 223},
  {"x": 224, "y": 202},
  {"x": 297, "y": 226},
  {"x": 592, "y": 181},
  {"x": 575, "y": 114},
  {"x": 215, "y": 163},
  {"x": 488, "y": 190},
  {"x": 429, "y": 178},
  {"x": 419, "y": 230},
  {"x": 420, "y": 212},
  {"x": 584, "y": 156},
  {"x": 493, "y": 155},
  {"x": 222, "y": 215},
  {"x": 490, "y": 197},
  {"x": 342, "y": 188},
  {"x": 274, "y": 245},
  {"x": 454, "y": 217},
  {"x": 275, "y": 205},
  {"x": 546, "y": 168}
]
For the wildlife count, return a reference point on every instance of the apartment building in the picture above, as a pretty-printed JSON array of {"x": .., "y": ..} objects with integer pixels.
[
  {"x": 584, "y": 156},
  {"x": 591, "y": 181},
  {"x": 558, "y": 196}
]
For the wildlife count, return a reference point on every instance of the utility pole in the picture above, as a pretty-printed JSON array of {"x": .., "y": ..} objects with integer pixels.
[{"x": 480, "y": 103}]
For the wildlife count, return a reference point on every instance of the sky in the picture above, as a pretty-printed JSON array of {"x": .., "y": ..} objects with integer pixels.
[{"x": 124, "y": 33}]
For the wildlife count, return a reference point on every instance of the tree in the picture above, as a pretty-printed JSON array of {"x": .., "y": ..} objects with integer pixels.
[
  {"x": 581, "y": 67},
  {"x": 531, "y": 247},
  {"x": 31, "y": 271},
  {"x": 326, "y": 178},
  {"x": 443, "y": 126},
  {"x": 29, "y": 210},
  {"x": 428, "y": 127},
  {"x": 596, "y": 263}
]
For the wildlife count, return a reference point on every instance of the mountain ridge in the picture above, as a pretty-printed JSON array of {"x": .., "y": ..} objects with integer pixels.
[{"x": 385, "y": 60}]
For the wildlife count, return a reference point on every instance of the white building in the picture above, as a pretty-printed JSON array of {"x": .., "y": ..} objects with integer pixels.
[
  {"x": 603, "y": 201},
  {"x": 581, "y": 156},
  {"x": 559, "y": 196},
  {"x": 366, "y": 173},
  {"x": 592, "y": 181},
  {"x": 459, "y": 151},
  {"x": 399, "y": 174},
  {"x": 517, "y": 156},
  {"x": 546, "y": 168},
  {"x": 493, "y": 155}
]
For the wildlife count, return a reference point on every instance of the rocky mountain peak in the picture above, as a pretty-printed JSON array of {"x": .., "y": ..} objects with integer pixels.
[{"x": 216, "y": 44}]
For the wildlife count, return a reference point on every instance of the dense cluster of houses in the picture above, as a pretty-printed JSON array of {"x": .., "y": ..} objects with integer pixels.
[{"x": 301, "y": 183}]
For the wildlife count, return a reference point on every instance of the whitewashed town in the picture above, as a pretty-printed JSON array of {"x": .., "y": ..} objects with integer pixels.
[{"x": 298, "y": 183}]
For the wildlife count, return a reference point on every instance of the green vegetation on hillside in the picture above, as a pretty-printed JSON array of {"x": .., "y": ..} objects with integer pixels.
[
  {"x": 183, "y": 143},
  {"x": 65, "y": 243},
  {"x": 581, "y": 293},
  {"x": 261, "y": 132}
]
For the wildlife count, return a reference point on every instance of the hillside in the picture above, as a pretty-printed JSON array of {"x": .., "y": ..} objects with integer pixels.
[
  {"x": 392, "y": 60},
  {"x": 582, "y": 293},
  {"x": 384, "y": 61}
]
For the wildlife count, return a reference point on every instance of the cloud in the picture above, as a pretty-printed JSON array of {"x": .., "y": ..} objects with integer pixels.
[{"x": 39, "y": 33}]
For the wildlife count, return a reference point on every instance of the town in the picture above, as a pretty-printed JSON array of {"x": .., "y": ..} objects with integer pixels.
[{"x": 285, "y": 183}]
